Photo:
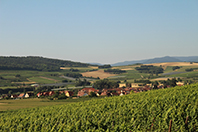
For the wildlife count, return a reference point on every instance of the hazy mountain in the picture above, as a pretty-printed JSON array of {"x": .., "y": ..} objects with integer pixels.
[
  {"x": 98, "y": 64},
  {"x": 162, "y": 59},
  {"x": 159, "y": 60},
  {"x": 188, "y": 58},
  {"x": 128, "y": 63}
]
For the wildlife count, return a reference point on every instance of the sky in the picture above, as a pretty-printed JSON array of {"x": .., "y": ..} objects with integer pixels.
[{"x": 99, "y": 31}]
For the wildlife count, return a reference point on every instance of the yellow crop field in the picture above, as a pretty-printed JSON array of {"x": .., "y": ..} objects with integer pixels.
[
  {"x": 174, "y": 64},
  {"x": 100, "y": 73}
]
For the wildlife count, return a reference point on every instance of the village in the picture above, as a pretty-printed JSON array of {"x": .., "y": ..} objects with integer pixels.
[{"x": 89, "y": 92}]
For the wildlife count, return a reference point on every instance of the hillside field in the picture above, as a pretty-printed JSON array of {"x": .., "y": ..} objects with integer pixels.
[
  {"x": 146, "y": 111},
  {"x": 8, "y": 77},
  {"x": 100, "y": 73}
]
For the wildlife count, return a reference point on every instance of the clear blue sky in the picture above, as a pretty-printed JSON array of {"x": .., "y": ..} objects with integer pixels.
[{"x": 103, "y": 31}]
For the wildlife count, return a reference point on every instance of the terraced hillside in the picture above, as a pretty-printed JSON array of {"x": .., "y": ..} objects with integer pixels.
[{"x": 146, "y": 111}]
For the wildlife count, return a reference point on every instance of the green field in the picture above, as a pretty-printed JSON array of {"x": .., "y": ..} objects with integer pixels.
[
  {"x": 43, "y": 77},
  {"x": 7, "y": 105},
  {"x": 28, "y": 76},
  {"x": 146, "y": 111},
  {"x": 41, "y": 80}
]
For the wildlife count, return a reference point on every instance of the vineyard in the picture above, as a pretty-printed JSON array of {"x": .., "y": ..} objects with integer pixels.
[{"x": 156, "y": 110}]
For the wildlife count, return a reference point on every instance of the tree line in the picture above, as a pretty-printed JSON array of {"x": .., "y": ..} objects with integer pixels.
[
  {"x": 105, "y": 66},
  {"x": 115, "y": 71},
  {"x": 74, "y": 75},
  {"x": 36, "y": 63},
  {"x": 105, "y": 83},
  {"x": 150, "y": 69}
]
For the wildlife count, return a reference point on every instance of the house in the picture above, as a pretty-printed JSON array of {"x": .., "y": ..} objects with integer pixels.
[
  {"x": 111, "y": 91},
  {"x": 122, "y": 93},
  {"x": 27, "y": 95},
  {"x": 180, "y": 83},
  {"x": 135, "y": 85},
  {"x": 39, "y": 94},
  {"x": 106, "y": 94},
  {"x": 69, "y": 93},
  {"x": 122, "y": 85},
  {"x": 22, "y": 95},
  {"x": 86, "y": 91},
  {"x": 13, "y": 96},
  {"x": 114, "y": 94},
  {"x": 45, "y": 93},
  {"x": 51, "y": 93}
]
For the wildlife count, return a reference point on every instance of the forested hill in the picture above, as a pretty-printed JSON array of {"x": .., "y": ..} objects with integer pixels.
[{"x": 35, "y": 63}]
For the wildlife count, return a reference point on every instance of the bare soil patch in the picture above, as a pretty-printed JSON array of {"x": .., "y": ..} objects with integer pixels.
[
  {"x": 127, "y": 69},
  {"x": 24, "y": 82},
  {"x": 93, "y": 67},
  {"x": 100, "y": 73},
  {"x": 161, "y": 78}
]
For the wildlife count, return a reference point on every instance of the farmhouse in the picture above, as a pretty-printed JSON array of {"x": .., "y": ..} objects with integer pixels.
[{"x": 86, "y": 91}]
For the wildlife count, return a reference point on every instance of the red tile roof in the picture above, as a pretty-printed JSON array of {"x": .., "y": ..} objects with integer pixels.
[{"x": 85, "y": 91}]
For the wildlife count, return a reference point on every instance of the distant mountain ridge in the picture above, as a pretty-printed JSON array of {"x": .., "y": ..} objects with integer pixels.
[{"x": 159, "y": 60}]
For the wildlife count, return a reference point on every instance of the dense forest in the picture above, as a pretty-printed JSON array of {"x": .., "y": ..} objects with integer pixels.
[
  {"x": 105, "y": 66},
  {"x": 35, "y": 63}
]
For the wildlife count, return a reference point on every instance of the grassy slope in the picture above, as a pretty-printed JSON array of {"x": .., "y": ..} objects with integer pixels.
[
  {"x": 30, "y": 76},
  {"x": 134, "y": 112},
  {"x": 6, "y": 105}
]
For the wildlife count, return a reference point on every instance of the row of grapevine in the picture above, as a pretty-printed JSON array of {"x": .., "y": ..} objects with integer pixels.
[{"x": 146, "y": 111}]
